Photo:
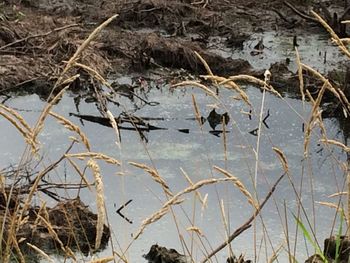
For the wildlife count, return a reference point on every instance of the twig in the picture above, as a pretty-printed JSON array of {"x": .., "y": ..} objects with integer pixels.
[
  {"x": 246, "y": 225},
  {"x": 38, "y": 35},
  {"x": 300, "y": 13}
]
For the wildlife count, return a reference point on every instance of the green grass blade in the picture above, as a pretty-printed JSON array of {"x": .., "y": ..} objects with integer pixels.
[{"x": 308, "y": 237}]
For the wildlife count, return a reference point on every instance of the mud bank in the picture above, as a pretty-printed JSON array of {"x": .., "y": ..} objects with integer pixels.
[{"x": 37, "y": 37}]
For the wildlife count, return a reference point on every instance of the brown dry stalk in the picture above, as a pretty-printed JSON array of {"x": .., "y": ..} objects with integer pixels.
[
  {"x": 115, "y": 127},
  {"x": 53, "y": 233},
  {"x": 314, "y": 118},
  {"x": 101, "y": 213},
  {"x": 196, "y": 84},
  {"x": 282, "y": 158},
  {"x": 42, "y": 253},
  {"x": 331, "y": 205},
  {"x": 207, "y": 68},
  {"x": 81, "y": 174},
  {"x": 334, "y": 36},
  {"x": 155, "y": 176},
  {"x": 27, "y": 135},
  {"x": 94, "y": 155},
  {"x": 300, "y": 75},
  {"x": 336, "y": 91},
  {"x": 103, "y": 260},
  {"x": 239, "y": 185},
  {"x": 275, "y": 254},
  {"x": 72, "y": 127},
  {"x": 250, "y": 79},
  {"x": 95, "y": 74},
  {"x": 198, "y": 194},
  {"x": 338, "y": 194},
  {"x": 18, "y": 250},
  {"x": 336, "y": 207},
  {"x": 194, "y": 229},
  {"x": 196, "y": 110},
  {"x": 339, "y": 144},
  {"x": 176, "y": 200},
  {"x": 18, "y": 117},
  {"x": 40, "y": 124},
  {"x": 81, "y": 48},
  {"x": 229, "y": 84}
]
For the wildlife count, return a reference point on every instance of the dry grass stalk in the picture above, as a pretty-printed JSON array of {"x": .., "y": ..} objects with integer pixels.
[
  {"x": 82, "y": 176},
  {"x": 115, "y": 127},
  {"x": 155, "y": 176},
  {"x": 103, "y": 260},
  {"x": 94, "y": 155},
  {"x": 101, "y": 213},
  {"x": 72, "y": 127},
  {"x": 40, "y": 124},
  {"x": 94, "y": 74},
  {"x": 69, "y": 80},
  {"x": 196, "y": 110},
  {"x": 198, "y": 194},
  {"x": 176, "y": 200},
  {"x": 336, "y": 207},
  {"x": 27, "y": 135},
  {"x": 339, "y": 144},
  {"x": 18, "y": 117},
  {"x": 275, "y": 254},
  {"x": 239, "y": 185},
  {"x": 196, "y": 84},
  {"x": 336, "y": 91},
  {"x": 337, "y": 194},
  {"x": 81, "y": 48},
  {"x": 42, "y": 253},
  {"x": 282, "y": 158},
  {"x": 18, "y": 250},
  {"x": 300, "y": 75},
  {"x": 195, "y": 229},
  {"x": 328, "y": 204},
  {"x": 158, "y": 215},
  {"x": 334, "y": 36},
  {"x": 314, "y": 118},
  {"x": 229, "y": 84},
  {"x": 227, "y": 231},
  {"x": 53, "y": 233},
  {"x": 207, "y": 68},
  {"x": 250, "y": 79}
]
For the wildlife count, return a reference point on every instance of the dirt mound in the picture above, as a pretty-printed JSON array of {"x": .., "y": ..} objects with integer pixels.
[{"x": 177, "y": 54}]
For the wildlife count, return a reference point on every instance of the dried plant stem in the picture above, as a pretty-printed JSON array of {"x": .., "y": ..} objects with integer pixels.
[
  {"x": 101, "y": 213},
  {"x": 72, "y": 127},
  {"x": 103, "y": 260},
  {"x": 115, "y": 127},
  {"x": 246, "y": 225},
  {"x": 40, "y": 124},
  {"x": 42, "y": 253},
  {"x": 155, "y": 175},
  {"x": 27, "y": 135},
  {"x": 239, "y": 185},
  {"x": 174, "y": 201},
  {"x": 249, "y": 79},
  {"x": 94, "y": 155},
  {"x": 81, "y": 48},
  {"x": 300, "y": 75},
  {"x": 196, "y": 84},
  {"x": 334, "y": 36}
]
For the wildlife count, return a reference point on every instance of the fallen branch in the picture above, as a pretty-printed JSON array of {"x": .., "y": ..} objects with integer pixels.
[{"x": 300, "y": 13}]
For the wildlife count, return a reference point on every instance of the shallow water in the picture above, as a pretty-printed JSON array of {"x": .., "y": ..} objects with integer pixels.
[{"x": 196, "y": 153}]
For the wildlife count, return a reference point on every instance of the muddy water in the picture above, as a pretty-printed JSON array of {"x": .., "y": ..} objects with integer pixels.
[{"x": 196, "y": 152}]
